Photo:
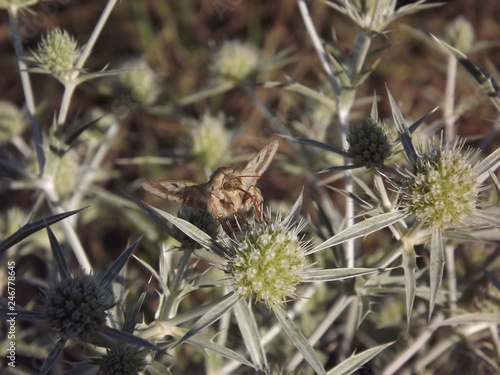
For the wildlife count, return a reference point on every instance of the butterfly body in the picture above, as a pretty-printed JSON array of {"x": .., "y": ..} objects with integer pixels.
[{"x": 229, "y": 195}]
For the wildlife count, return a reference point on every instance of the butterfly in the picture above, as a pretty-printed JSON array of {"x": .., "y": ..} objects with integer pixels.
[{"x": 229, "y": 195}]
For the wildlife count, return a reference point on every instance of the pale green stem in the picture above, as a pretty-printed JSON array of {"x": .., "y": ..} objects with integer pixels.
[
  {"x": 320, "y": 50},
  {"x": 363, "y": 44},
  {"x": 27, "y": 89},
  {"x": 349, "y": 188},
  {"x": 451, "y": 277},
  {"x": 449, "y": 121},
  {"x": 87, "y": 50},
  {"x": 345, "y": 104},
  {"x": 69, "y": 89},
  {"x": 449, "y": 99},
  {"x": 21, "y": 145}
]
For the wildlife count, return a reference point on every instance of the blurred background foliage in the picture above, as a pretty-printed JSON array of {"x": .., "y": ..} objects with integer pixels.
[{"x": 178, "y": 40}]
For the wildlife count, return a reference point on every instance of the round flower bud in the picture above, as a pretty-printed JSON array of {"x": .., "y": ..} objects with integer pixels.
[
  {"x": 77, "y": 306},
  {"x": 139, "y": 80},
  {"x": 235, "y": 61},
  {"x": 459, "y": 34},
  {"x": 369, "y": 144},
  {"x": 209, "y": 140}
]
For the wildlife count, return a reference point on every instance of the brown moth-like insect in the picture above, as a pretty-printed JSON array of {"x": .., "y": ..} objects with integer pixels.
[{"x": 229, "y": 195}]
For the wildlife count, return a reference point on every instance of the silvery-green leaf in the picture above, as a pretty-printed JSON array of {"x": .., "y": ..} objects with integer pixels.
[
  {"x": 353, "y": 363},
  {"x": 410, "y": 270},
  {"x": 489, "y": 163},
  {"x": 191, "y": 314},
  {"x": 363, "y": 228},
  {"x": 312, "y": 275},
  {"x": 294, "y": 213},
  {"x": 298, "y": 339},
  {"x": 224, "y": 304},
  {"x": 205, "y": 343},
  {"x": 403, "y": 131},
  {"x": 304, "y": 90},
  {"x": 194, "y": 232},
  {"x": 250, "y": 333},
  {"x": 436, "y": 266}
]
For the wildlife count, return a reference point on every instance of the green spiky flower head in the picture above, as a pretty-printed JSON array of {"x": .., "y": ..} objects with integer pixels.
[
  {"x": 12, "y": 121},
  {"x": 442, "y": 188},
  {"x": 235, "y": 61},
  {"x": 139, "y": 80},
  {"x": 267, "y": 262},
  {"x": 209, "y": 140},
  {"x": 460, "y": 34},
  {"x": 57, "y": 54}
]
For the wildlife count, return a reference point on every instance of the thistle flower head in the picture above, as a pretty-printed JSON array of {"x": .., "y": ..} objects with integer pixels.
[
  {"x": 267, "y": 261},
  {"x": 442, "y": 187},
  {"x": 12, "y": 121},
  {"x": 459, "y": 34},
  {"x": 77, "y": 306},
  {"x": 235, "y": 61},
  {"x": 209, "y": 140},
  {"x": 369, "y": 144},
  {"x": 139, "y": 80},
  {"x": 121, "y": 359},
  {"x": 57, "y": 54}
]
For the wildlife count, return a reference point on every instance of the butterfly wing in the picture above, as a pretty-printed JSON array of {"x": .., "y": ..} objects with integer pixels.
[
  {"x": 192, "y": 193},
  {"x": 259, "y": 164}
]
